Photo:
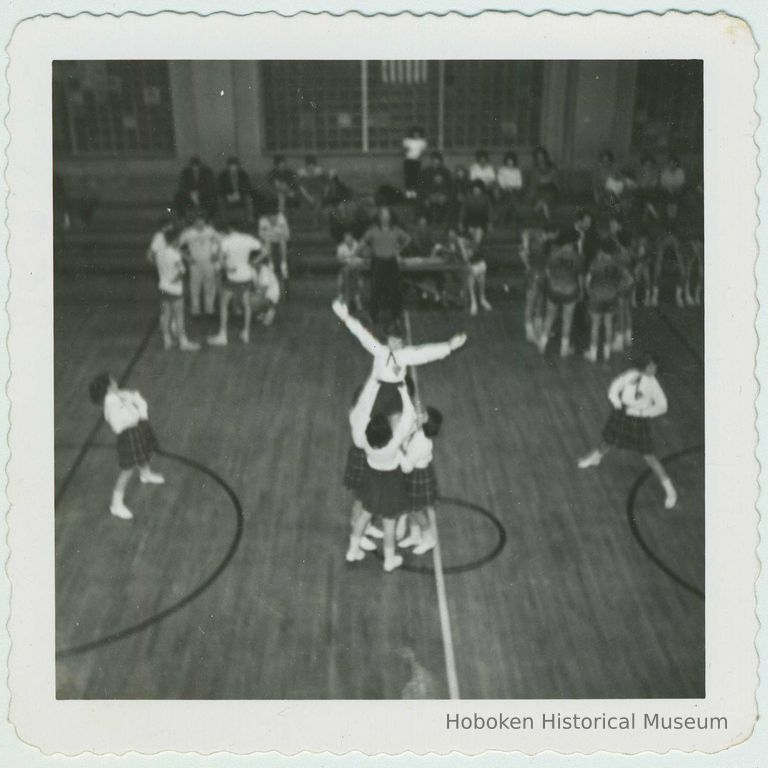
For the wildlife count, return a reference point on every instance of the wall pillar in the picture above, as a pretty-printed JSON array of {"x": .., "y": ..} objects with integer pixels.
[
  {"x": 249, "y": 112},
  {"x": 186, "y": 139},
  {"x": 214, "y": 107}
]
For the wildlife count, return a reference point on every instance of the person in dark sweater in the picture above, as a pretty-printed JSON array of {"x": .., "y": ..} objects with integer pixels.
[
  {"x": 196, "y": 190},
  {"x": 235, "y": 191}
]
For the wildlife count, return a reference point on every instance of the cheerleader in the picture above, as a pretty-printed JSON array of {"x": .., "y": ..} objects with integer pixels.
[
  {"x": 602, "y": 283},
  {"x": 564, "y": 289},
  {"x": 382, "y": 489},
  {"x": 392, "y": 357},
  {"x": 275, "y": 232},
  {"x": 534, "y": 252},
  {"x": 421, "y": 482},
  {"x": 636, "y": 397},
  {"x": 126, "y": 413}
]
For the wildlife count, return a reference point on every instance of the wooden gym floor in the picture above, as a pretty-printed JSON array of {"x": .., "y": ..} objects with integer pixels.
[{"x": 231, "y": 581}]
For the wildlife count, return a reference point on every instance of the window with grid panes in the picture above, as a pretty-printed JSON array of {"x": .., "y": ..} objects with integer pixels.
[
  {"x": 112, "y": 108},
  {"x": 402, "y": 95},
  {"x": 312, "y": 105},
  {"x": 492, "y": 104},
  {"x": 669, "y": 106}
]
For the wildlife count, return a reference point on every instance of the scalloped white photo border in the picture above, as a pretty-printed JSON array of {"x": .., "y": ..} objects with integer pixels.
[{"x": 289, "y": 727}]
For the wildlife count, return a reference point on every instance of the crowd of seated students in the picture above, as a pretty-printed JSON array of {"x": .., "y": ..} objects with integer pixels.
[{"x": 615, "y": 249}]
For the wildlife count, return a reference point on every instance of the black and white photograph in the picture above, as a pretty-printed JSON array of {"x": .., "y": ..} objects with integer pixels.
[
  {"x": 374, "y": 377},
  {"x": 388, "y": 397}
]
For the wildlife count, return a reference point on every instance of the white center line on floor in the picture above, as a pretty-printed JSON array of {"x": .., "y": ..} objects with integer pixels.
[{"x": 442, "y": 600}]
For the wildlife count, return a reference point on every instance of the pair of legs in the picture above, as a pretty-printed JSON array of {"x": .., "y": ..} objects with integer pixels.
[
  {"x": 172, "y": 324},
  {"x": 421, "y": 535},
  {"x": 623, "y": 325},
  {"x": 262, "y": 308},
  {"x": 146, "y": 475},
  {"x": 549, "y": 321},
  {"x": 596, "y": 456},
  {"x": 690, "y": 286},
  {"x": 227, "y": 292},
  {"x": 350, "y": 286},
  {"x": 476, "y": 287},
  {"x": 361, "y": 519},
  {"x": 598, "y": 319},
  {"x": 534, "y": 309},
  {"x": 202, "y": 279}
]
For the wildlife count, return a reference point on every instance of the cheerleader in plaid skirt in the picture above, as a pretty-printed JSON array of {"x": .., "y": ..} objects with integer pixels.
[
  {"x": 382, "y": 491},
  {"x": 126, "y": 413},
  {"x": 636, "y": 397},
  {"x": 421, "y": 483}
]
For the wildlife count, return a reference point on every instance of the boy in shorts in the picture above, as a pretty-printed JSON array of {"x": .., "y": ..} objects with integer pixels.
[{"x": 237, "y": 249}]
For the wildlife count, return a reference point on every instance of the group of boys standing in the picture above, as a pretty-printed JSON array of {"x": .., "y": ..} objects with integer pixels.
[{"x": 232, "y": 266}]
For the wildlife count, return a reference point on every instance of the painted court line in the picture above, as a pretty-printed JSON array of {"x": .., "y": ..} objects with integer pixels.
[{"x": 442, "y": 600}]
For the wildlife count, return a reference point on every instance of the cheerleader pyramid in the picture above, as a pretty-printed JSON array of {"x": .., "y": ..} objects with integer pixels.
[{"x": 389, "y": 468}]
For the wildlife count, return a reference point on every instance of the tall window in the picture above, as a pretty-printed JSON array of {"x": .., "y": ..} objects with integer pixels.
[
  {"x": 494, "y": 104},
  {"x": 112, "y": 108},
  {"x": 669, "y": 111},
  {"x": 352, "y": 105},
  {"x": 312, "y": 105}
]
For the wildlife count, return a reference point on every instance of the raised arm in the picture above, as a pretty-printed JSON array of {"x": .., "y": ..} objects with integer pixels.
[
  {"x": 427, "y": 353},
  {"x": 407, "y": 420},
  {"x": 356, "y": 328},
  {"x": 360, "y": 414}
]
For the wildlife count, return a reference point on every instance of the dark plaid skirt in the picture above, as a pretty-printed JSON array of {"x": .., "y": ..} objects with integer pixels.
[
  {"x": 629, "y": 432},
  {"x": 136, "y": 445},
  {"x": 421, "y": 488},
  {"x": 353, "y": 472},
  {"x": 383, "y": 493}
]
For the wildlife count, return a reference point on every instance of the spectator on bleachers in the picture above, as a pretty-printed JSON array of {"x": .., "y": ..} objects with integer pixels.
[
  {"x": 482, "y": 170},
  {"x": 414, "y": 146},
  {"x": 648, "y": 189},
  {"x": 196, "y": 190},
  {"x": 437, "y": 190},
  {"x": 461, "y": 190},
  {"x": 235, "y": 191},
  {"x": 672, "y": 182},
  {"x": 283, "y": 181},
  {"x": 475, "y": 214},
  {"x": 385, "y": 242},
  {"x": 313, "y": 185},
  {"x": 544, "y": 183},
  {"x": 510, "y": 181},
  {"x": 422, "y": 239}
]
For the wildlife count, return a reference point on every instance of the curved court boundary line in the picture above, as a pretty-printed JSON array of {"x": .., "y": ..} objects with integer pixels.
[
  {"x": 634, "y": 528},
  {"x": 197, "y": 591}
]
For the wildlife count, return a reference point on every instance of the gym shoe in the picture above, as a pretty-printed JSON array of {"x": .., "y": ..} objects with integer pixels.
[
  {"x": 367, "y": 545},
  {"x": 566, "y": 350},
  {"x": 268, "y": 317},
  {"x": 185, "y": 345},
  {"x": 118, "y": 509},
  {"x": 390, "y": 563},
  {"x": 374, "y": 532},
  {"x": 486, "y": 305},
  {"x": 245, "y": 337},
  {"x": 412, "y": 540},
  {"x": 153, "y": 478},
  {"x": 627, "y": 338},
  {"x": 428, "y": 542},
  {"x": 618, "y": 342},
  {"x": 530, "y": 335},
  {"x": 542, "y": 344},
  {"x": 219, "y": 340},
  {"x": 354, "y": 554},
  {"x": 473, "y": 310},
  {"x": 607, "y": 351},
  {"x": 591, "y": 355},
  {"x": 592, "y": 460},
  {"x": 167, "y": 342}
]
